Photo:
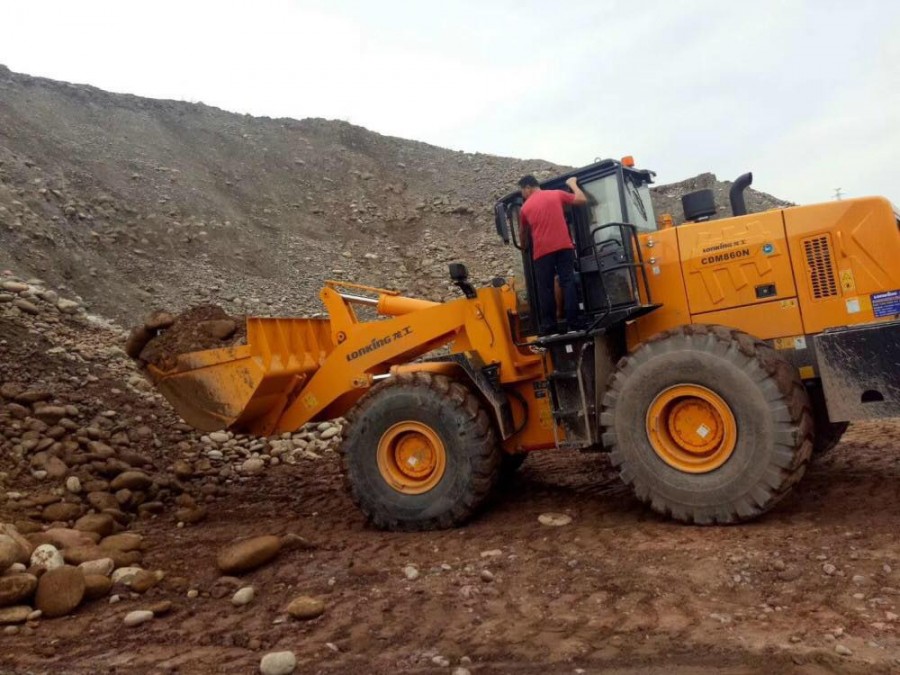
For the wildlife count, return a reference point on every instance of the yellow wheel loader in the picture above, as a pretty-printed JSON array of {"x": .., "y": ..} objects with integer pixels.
[{"x": 710, "y": 360}]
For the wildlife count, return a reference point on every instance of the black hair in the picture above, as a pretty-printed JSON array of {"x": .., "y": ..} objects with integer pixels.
[{"x": 528, "y": 181}]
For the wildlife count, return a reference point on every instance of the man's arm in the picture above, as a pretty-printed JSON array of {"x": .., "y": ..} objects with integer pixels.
[{"x": 580, "y": 197}]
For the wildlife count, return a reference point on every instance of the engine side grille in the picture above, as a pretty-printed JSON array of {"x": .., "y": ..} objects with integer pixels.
[{"x": 821, "y": 269}]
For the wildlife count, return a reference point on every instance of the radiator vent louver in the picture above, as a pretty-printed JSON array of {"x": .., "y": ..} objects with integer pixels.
[{"x": 821, "y": 269}]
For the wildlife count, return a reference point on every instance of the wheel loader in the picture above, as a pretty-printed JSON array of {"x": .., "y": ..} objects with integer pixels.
[{"x": 711, "y": 359}]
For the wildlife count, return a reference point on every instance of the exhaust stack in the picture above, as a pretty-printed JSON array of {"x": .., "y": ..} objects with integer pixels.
[{"x": 736, "y": 194}]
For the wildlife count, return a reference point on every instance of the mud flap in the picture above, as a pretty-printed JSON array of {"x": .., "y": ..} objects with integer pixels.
[{"x": 860, "y": 370}]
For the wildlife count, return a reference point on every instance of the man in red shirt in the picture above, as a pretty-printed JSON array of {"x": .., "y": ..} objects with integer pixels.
[{"x": 544, "y": 229}]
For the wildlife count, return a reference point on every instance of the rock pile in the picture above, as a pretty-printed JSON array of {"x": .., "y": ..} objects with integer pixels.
[
  {"x": 58, "y": 569},
  {"x": 88, "y": 450}
]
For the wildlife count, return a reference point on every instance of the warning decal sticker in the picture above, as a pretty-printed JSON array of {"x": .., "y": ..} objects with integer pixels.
[{"x": 886, "y": 304}]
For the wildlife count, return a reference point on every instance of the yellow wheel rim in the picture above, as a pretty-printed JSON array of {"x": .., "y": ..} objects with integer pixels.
[
  {"x": 411, "y": 457},
  {"x": 691, "y": 428}
]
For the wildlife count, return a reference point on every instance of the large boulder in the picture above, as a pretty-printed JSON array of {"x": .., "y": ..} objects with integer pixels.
[
  {"x": 60, "y": 591},
  {"x": 248, "y": 554}
]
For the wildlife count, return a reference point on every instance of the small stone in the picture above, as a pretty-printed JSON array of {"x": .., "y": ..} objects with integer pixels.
[
  {"x": 61, "y": 511},
  {"x": 25, "y": 306},
  {"x": 16, "y": 588},
  {"x": 554, "y": 519},
  {"x": 843, "y": 650},
  {"x": 859, "y": 579},
  {"x": 440, "y": 661},
  {"x": 65, "y": 538},
  {"x": 126, "y": 541},
  {"x": 248, "y": 554},
  {"x": 51, "y": 414},
  {"x": 11, "y": 551},
  {"x": 829, "y": 569},
  {"x": 47, "y": 556},
  {"x": 73, "y": 484},
  {"x": 296, "y": 542},
  {"x": 890, "y": 616},
  {"x": 193, "y": 593},
  {"x": 459, "y": 670},
  {"x": 160, "y": 607},
  {"x": 278, "y": 663},
  {"x": 14, "y": 286},
  {"x": 143, "y": 581},
  {"x": 101, "y": 523},
  {"x": 487, "y": 575},
  {"x": 67, "y": 306},
  {"x": 96, "y": 586},
  {"x": 493, "y": 553},
  {"x": 16, "y": 614},
  {"x": 137, "y": 340},
  {"x": 253, "y": 466},
  {"x": 191, "y": 516},
  {"x": 137, "y": 617},
  {"x": 182, "y": 469},
  {"x": 124, "y": 575},
  {"x": 60, "y": 591},
  {"x": 329, "y": 433},
  {"x": 305, "y": 608},
  {"x": 219, "y": 437},
  {"x": 243, "y": 596},
  {"x": 131, "y": 480},
  {"x": 411, "y": 572},
  {"x": 158, "y": 320}
]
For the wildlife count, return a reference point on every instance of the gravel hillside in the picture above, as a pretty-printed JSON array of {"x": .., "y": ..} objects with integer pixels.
[{"x": 132, "y": 203}]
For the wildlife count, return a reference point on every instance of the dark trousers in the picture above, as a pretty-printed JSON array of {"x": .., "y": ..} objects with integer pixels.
[{"x": 546, "y": 268}]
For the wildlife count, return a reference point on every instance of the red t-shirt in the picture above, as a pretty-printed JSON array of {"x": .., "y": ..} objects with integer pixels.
[{"x": 542, "y": 213}]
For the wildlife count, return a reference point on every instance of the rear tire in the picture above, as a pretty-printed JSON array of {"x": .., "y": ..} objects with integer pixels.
[
  {"x": 421, "y": 406},
  {"x": 828, "y": 433},
  {"x": 766, "y": 417}
]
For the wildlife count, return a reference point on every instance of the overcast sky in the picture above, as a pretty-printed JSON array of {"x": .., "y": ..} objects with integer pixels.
[{"x": 805, "y": 93}]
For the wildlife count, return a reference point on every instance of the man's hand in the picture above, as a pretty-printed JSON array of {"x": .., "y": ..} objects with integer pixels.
[{"x": 580, "y": 197}]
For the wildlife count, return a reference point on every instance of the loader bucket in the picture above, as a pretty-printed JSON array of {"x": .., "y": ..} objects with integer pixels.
[{"x": 246, "y": 388}]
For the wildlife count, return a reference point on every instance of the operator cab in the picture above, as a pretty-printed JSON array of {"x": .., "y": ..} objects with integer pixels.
[{"x": 610, "y": 276}]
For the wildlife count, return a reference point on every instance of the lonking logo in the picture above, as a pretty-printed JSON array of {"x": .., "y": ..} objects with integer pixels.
[{"x": 378, "y": 343}]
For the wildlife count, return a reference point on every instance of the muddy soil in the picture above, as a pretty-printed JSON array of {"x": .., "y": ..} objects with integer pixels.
[
  {"x": 618, "y": 590},
  {"x": 199, "y": 328}
]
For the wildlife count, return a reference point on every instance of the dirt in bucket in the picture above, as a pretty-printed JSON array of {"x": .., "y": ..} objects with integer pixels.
[{"x": 164, "y": 336}]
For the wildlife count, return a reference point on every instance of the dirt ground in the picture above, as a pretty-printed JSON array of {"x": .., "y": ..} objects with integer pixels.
[{"x": 618, "y": 590}]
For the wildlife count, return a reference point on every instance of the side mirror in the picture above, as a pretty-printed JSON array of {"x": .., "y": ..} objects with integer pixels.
[
  {"x": 501, "y": 221},
  {"x": 460, "y": 277}
]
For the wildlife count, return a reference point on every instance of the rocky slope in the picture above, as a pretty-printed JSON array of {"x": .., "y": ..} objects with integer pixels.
[
  {"x": 132, "y": 203},
  {"x": 87, "y": 450}
]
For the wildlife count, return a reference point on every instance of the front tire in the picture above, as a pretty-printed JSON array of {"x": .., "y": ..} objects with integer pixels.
[
  {"x": 420, "y": 453},
  {"x": 707, "y": 425}
]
